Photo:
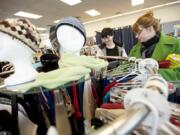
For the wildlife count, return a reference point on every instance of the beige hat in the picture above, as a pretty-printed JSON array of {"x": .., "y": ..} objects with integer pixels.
[{"x": 23, "y": 30}]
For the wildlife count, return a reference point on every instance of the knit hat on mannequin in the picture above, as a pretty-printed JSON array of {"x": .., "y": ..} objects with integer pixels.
[
  {"x": 23, "y": 30},
  {"x": 70, "y": 21}
]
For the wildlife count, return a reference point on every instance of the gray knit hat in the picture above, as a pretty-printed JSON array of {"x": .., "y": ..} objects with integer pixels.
[
  {"x": 23, "y": 30},
  {"x": 71, "y": 21}
]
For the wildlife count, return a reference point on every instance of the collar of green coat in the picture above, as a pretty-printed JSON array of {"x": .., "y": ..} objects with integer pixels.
[
  {"x": 166, "y": 40},
  {"x": 163, "y": 46}
]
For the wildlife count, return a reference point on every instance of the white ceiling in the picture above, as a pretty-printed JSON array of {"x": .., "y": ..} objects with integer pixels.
[{"x": 55, "y": 9}]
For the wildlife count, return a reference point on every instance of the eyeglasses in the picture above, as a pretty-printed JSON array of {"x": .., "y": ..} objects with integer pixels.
[
  {"x": 140, "y": 31},
  {"x": 106, "y": 37}
]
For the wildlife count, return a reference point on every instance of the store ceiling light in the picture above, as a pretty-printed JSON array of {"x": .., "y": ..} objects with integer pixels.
[
  {"x": 71, "y": 2},
  {"x": 41, "y": 29},
  {"x": 92, "y": 12},
  {"x": 136, "y": 2},
  {"x": 27, "y": 15},
  {"x": 56, "y": 21}
]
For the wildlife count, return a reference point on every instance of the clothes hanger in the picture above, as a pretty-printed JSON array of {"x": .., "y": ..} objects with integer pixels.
[
  {"x": 123, "y": 69},
  {"x": 144, "y": 68},
  {"x": 133, "y": 71}
]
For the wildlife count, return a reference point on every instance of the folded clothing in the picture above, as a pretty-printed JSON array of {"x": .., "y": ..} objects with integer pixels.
[{"x": 112, "y": 106}]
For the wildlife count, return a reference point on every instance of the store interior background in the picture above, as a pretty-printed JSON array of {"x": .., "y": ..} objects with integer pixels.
[{"x": 114, "y": 13}]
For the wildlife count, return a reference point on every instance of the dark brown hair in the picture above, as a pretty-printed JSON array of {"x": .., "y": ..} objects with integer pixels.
[{"x": 107, "y": 32}]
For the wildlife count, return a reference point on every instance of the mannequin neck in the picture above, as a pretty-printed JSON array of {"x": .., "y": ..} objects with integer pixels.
[{"x": 23, "y": 73}]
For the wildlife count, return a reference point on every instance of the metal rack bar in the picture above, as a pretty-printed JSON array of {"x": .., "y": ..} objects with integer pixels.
[{"x": 125, "y": 123}]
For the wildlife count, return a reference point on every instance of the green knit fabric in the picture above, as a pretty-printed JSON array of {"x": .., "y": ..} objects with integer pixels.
[
  {"x": 72, "y": 68},
  {"x": 85, "y": 61},
  {"x": 56, "y": 78}
]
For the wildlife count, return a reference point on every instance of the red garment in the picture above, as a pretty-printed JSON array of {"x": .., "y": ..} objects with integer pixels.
[
  {"x": 112, "y": 106},
  {"x": 95, "y": 95},
  {"x": 171, "y": 87},
  {"x": 108, "y": 87},
  {"x": 164, "y": 63},
  {"x": 77, "y": 114},
  {"x": 175, "y": 121}
]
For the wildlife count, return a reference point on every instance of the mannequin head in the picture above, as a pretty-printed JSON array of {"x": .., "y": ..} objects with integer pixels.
[
  {"x": 13, "y": 50},
  {"x": 19, "y": 40},
  {"x": 70, "y": 35},
  {"x": 70, "y": 39}
]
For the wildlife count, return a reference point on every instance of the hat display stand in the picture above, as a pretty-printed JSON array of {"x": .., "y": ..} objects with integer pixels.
[{"x": 15, "y": 52}]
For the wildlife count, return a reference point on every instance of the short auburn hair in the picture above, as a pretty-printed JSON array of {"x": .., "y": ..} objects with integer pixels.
[{"x": 146, "y": 21}]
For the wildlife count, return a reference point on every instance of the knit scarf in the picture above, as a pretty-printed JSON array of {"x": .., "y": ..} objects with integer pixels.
[{"x": 148, "y": 46}]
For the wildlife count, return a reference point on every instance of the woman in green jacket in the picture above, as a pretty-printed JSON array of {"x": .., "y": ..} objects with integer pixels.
[{"x": 153, "y": 44}]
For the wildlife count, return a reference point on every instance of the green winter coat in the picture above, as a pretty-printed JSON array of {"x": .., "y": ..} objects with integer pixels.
[{"x": 166, "y": 45}]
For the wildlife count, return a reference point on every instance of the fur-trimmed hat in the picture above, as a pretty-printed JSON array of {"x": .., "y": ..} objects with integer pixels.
[
  {"x": 23, "y": 30},
  {"x": 70, "y": 21}
]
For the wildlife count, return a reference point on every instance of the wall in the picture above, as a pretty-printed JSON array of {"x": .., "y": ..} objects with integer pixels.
[
  {"x": 166, "y": 14},
  {"x": 169, "y": 27}
]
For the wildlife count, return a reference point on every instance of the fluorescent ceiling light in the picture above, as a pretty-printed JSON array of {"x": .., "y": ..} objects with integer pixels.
[
  {"x": 56, "y": 21},
  {"x": 92, "y": 12},
  {"x": 136, "y": 2},
  {"x": 71, "y": 2},
  {"x": 41, "y": 29},
  {"x": 27, "y": 15}
]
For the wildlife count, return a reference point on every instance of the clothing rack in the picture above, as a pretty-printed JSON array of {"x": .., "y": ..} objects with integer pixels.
[
  {"x": 126, "y": 122},
  {"x": 113, "y": 57}
]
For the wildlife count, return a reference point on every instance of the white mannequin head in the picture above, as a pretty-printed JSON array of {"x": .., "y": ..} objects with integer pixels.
[
  {"x": 70, "y": 39},
  {"x": 68, "y": 36},
  {"x": 15, "y": 52},
  {"x": 19, "y": 39}
]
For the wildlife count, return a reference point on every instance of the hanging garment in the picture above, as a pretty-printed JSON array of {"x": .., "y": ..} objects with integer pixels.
[
  {"x": 175, "y": 114},
  {"x": 47, "y": 103},
  {"x": 30, "y": 107},
  {"x": 77, "y": 114},
  {"x": 164, "y": 63},
  {"x": 26, "y": 127},
  {"x": 174, "y": 60},
  {"x": 108, "y": 87},
  {"x": 35, "y": 112},
  {"x": 62, "y": 122},
  {"x": 89, "y": 104},
  {"x": 117, "y": 95},
  {"x": 56, "y": 78},
  {"x": 85, "y": 61},
  {"x": 112, "y": 106},
  {"x": 67, "y": 102},
  {"x": 108, "y": 115}
]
